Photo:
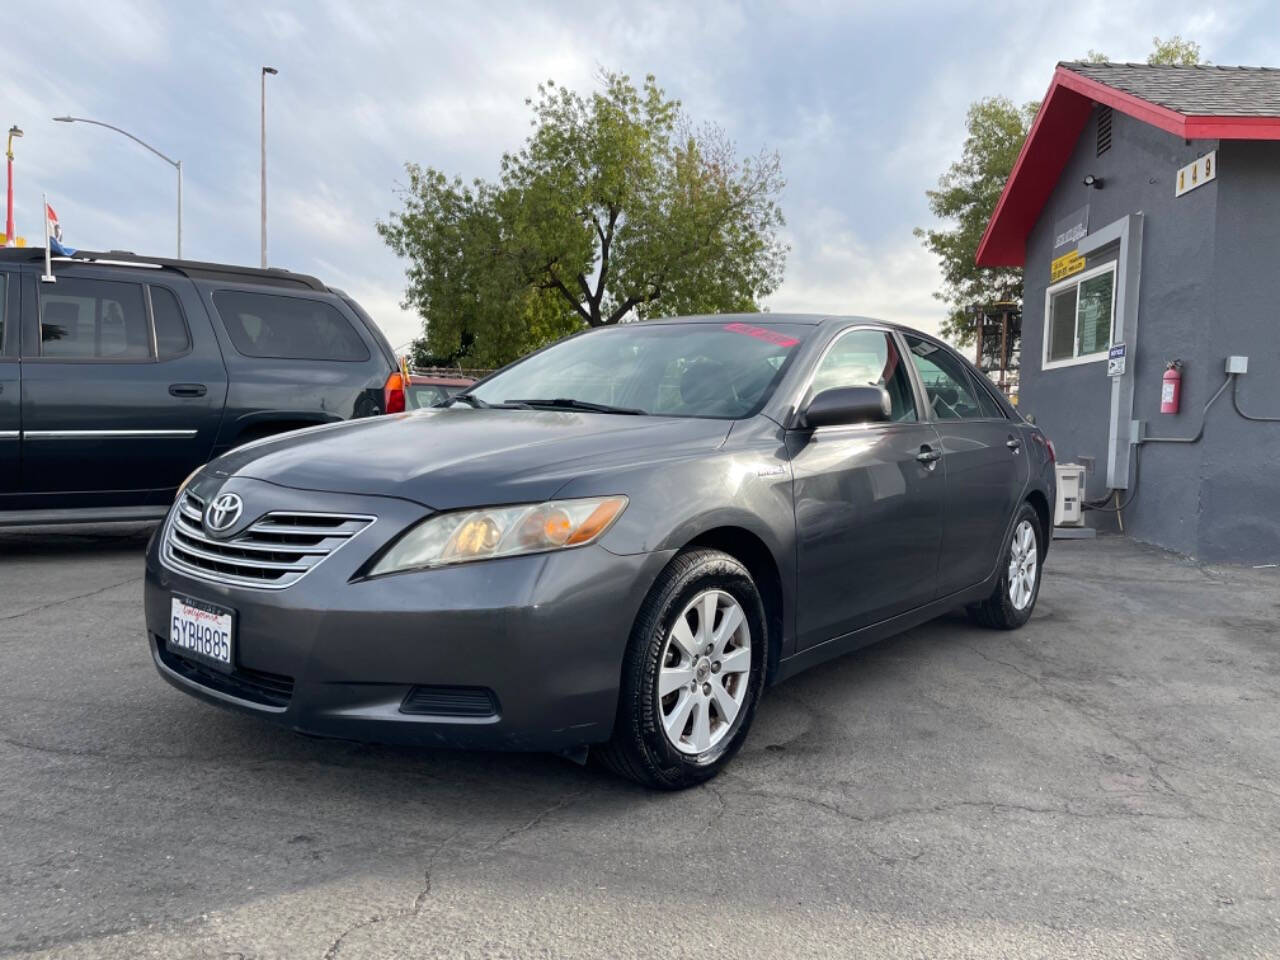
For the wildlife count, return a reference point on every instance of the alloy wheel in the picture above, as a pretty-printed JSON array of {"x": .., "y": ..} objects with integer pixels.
[
  {"x": 1022, "y": 565},
  {"x": 706, "y": 665}
]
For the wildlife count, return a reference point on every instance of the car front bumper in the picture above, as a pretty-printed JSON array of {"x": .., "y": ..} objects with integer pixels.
[{"x": 542, "y": 636}]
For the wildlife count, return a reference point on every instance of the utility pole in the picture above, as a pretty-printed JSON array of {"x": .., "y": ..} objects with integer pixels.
[
  {"x": 9, "y": 239},
  {"x": 273, "y": 71}
]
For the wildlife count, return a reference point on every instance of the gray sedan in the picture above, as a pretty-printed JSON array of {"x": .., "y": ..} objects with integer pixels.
[{"x": 615, "y": 544}]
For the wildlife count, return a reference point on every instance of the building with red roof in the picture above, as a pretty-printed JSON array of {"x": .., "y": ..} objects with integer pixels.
[{"x": 1145, "y": 211}]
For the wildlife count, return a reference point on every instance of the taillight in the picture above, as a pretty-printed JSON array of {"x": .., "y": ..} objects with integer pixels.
[
  {"x": 393, "y": 394},
  {"x": 1053, "y": 454}
]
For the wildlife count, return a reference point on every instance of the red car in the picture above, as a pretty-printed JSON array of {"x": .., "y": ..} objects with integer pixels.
[{"x": 426, "y": 390}]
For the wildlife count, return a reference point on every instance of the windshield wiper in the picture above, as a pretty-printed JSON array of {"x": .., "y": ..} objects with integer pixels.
[
  {"x": 471, "y": 400},
  {"x": 567, "y": 403}
]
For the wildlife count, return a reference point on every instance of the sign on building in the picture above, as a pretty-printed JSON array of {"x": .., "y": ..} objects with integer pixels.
[
  {"x": 1065, "y": 265},
  {"x": 1196, "y": 174},
  {"x": 1116, "y": 360},
  {"x": 1068, "y": 232}
]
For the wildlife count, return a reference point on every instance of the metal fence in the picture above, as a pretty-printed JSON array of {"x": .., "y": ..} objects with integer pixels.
[{"x": 455, "y": 372}]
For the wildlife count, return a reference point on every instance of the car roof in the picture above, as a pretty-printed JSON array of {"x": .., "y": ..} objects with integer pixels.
[
  {"x": 805, "y": 319},
  {"x": 193, "y": 269}
]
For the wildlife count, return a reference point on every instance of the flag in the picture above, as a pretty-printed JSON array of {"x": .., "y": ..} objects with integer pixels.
[{"x": 55, "y": 234}]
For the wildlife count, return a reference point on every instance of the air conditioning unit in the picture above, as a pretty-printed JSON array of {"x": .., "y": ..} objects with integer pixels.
[{"x": 1069, "y": 510}]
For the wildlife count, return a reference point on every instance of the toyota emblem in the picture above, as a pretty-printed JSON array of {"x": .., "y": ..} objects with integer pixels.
[{"x": 223, "y": 512}]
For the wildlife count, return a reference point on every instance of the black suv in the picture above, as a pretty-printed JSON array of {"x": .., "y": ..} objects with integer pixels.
[{"x": 126, "y": 373}]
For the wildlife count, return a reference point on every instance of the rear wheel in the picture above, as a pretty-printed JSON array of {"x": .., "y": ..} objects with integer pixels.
[
  {"x": 1011, "y": 603},
  {"x": 692, "y": 674}
]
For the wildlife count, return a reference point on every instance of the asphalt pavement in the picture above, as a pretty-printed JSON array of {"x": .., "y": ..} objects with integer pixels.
[{"x": 1104, "y": 782}]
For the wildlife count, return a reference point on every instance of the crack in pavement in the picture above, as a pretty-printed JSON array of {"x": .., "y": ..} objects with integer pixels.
[
  {"x": 1153, "y": 762},
  {"x": 65, "y": 600},
  {"x": 411, "y": 911},
  {"x": 559, "y": 805},
  {"x": 995, "y": 806}
]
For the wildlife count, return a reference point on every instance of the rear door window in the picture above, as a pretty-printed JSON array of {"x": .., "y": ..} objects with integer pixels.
[
  {"x": 946, "y": 383},
  {"x": 287, "y": 328},
  {"x": 82, "y": 319},
  {"x": 987, "y": 404},
  {"x": 172, "y": 337}
]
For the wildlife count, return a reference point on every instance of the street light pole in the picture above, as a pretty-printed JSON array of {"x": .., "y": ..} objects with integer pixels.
[
  {"x": 176, "y": 164},
  {"x": 9, "y": 239},
  {"x": 273, "y": 71}
]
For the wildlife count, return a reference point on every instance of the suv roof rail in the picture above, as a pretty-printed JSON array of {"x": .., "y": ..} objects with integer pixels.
[{"x": 195, "y": 269}]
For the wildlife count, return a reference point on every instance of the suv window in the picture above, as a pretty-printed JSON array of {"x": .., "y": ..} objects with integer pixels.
[
  {"x": 862, "y": 358},
  {"x": 946, "y": 382},
  {"x": 287, "y": 328},
  {"x": 3, "y": 277},
  {"x": 94, "y": 319},
  {"x": 172, "y": 337}
]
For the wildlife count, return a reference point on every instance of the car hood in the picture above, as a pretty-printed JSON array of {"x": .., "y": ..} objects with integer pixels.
[{"x": 459, "y": 457}]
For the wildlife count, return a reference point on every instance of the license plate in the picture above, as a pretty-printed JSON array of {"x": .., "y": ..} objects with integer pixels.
[{"x": 203, "y": 631}]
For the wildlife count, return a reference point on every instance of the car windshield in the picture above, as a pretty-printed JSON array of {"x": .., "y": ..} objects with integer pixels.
[{"x": 722, "y": 370}]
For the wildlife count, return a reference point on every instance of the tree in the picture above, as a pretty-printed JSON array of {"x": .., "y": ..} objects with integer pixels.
[
  {"x": 616, "y": 205},
  {"x": 966, "y": 197},
  {"x": 1175, "y": 50}
]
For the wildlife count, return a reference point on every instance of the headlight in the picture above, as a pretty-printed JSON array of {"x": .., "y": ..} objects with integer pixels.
[{"x": 483, "y": 534}]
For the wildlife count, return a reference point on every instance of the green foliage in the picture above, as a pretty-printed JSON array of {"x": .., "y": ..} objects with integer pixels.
[
  {"x": 966, "y": 197},
  {"x": 1175, "y": 50},
  {"x": 614, "y": 205}
]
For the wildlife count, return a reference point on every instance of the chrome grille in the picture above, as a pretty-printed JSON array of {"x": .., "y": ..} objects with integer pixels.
[{"x": 274, "y": 552}]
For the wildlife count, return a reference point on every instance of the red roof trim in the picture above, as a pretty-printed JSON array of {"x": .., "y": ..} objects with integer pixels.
[
  {"x": 1058, "y": 123},
  {"x": 1053, "y": 135},
  {"x": 1152, "y": 113},
  {"x": 1233, "y": 128}
]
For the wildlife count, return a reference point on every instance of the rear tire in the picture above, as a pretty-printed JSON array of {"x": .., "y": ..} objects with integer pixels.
[
  {"x": 1014, "y": 597},
  {"x": 692, "y": 674}
]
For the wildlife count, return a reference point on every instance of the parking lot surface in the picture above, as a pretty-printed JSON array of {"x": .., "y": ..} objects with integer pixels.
[{"x": 1104, "y": 782}]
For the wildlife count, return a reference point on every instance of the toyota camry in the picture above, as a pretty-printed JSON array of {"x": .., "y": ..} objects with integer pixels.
[{"x": 614, "y": 545}]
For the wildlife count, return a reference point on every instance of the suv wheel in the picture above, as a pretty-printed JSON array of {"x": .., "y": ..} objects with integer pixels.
[
  {"x": 1014, "y": 597},
  {"x": 693, "y": 673}
]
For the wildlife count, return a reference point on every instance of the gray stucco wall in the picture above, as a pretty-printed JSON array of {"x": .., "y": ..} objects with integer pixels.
[
  {"x": 1210, "y": 282},
  {"x": 1240, "y": 465}
]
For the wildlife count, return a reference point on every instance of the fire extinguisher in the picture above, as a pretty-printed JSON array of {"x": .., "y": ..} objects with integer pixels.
[{"x": 1171, "y": 387}]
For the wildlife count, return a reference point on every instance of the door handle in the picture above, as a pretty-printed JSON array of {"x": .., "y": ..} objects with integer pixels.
[
  {"x": 1014, "y": 444},
  {"x": 188, "y": 389},
  {"x": 928, "y": 455}
]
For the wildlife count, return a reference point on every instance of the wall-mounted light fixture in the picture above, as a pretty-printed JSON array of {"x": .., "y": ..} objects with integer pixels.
[{"x": 1091, "y": 181}]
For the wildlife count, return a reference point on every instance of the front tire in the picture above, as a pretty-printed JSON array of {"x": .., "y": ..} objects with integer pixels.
[
  {"x": 1014, "y": 598},
  {"x": 692, "y": 675}
]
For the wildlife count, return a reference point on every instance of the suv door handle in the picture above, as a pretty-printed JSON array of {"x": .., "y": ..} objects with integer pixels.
[
  {"x": 188, "y": 389},
  {"x": 928, "y": 455},
  {"x": 1014, "y": 444}
]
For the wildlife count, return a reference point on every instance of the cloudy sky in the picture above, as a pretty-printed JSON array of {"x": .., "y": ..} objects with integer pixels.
[{"x": 865, "y": 102}]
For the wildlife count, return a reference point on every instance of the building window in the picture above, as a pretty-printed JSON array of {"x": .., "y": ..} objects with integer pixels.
[{"x": 1078, "y": 318}]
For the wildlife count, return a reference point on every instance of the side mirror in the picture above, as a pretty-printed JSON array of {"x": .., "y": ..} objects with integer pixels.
[{"x": 845, "y": 405}]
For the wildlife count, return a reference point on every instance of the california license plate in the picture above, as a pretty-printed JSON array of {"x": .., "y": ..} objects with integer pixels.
[{"x": 203, "y": 631}]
